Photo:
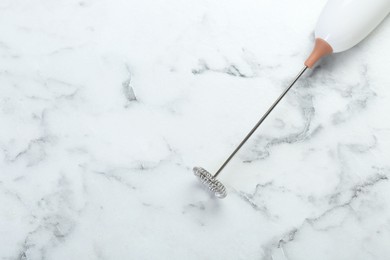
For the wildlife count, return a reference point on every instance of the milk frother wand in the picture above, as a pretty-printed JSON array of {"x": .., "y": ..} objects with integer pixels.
[{"x": 341, "y": 25}]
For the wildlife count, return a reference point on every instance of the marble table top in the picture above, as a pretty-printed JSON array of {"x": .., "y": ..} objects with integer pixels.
[{"x": 106, "y": 105}]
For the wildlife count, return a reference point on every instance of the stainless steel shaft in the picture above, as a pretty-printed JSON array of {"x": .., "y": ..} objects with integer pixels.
[
  {"x": 210, "y": 181},
  {"x": 260, "y": 122}
]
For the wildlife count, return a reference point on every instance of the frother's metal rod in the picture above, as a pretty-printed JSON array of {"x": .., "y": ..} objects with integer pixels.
[{"x": 260, "y": 121}]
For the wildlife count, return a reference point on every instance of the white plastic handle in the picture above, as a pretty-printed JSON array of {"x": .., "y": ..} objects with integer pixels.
[{"x": 344, "y": 23}]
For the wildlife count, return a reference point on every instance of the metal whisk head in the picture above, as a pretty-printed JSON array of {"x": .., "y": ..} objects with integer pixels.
[{"x": 210, "y": 182}]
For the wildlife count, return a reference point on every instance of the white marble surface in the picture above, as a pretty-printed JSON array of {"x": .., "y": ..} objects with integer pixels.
[{"x": 106, "y": 105}]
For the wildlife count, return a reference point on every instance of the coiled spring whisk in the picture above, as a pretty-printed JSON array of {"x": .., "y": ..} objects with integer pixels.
[{"x": 210, "y": 182}]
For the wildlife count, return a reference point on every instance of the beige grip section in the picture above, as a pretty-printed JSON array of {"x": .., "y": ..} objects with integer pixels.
[{"x": 321, "y": 49}]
